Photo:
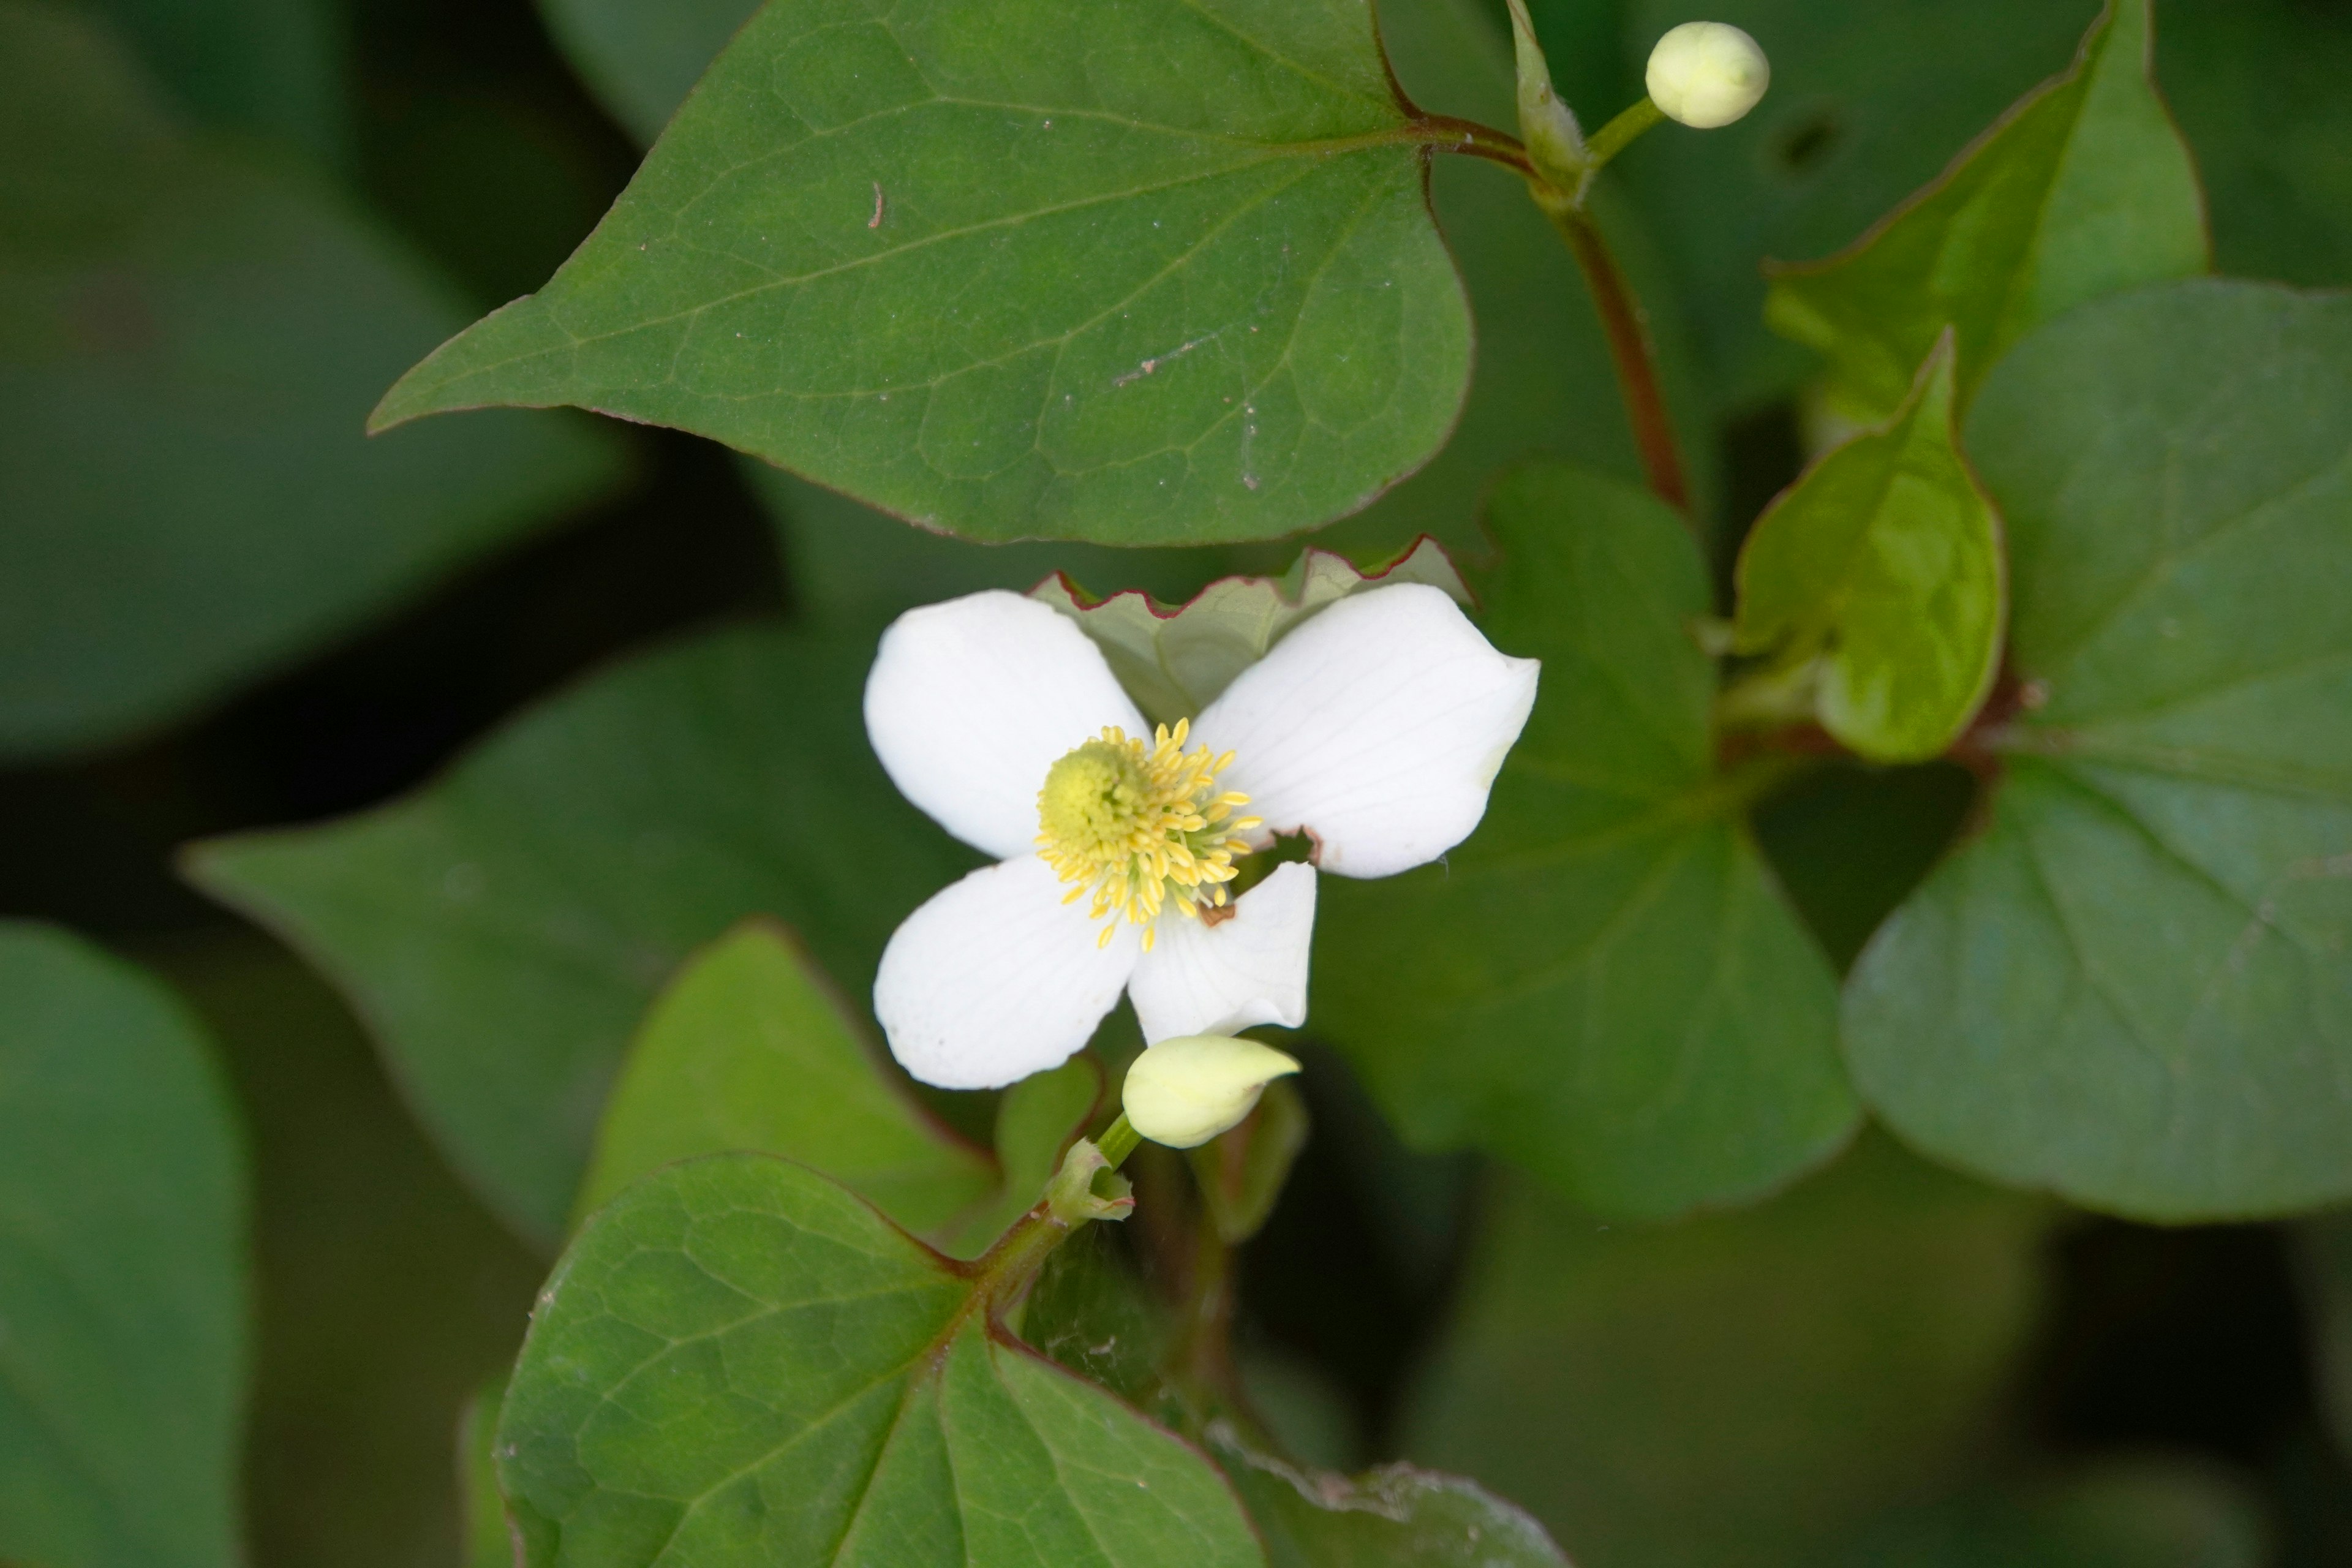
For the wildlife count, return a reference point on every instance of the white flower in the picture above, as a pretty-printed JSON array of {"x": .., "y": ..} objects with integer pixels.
[
  {"x": 1708, "y": 74},
  {"x": 1377, "y": 727},
  {"x": 1184, "y": 1091}
]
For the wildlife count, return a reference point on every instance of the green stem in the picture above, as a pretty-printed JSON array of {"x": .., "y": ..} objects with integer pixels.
[
  {"x": 1117, "y": 1142},
  {"x": 1626, "y": 326},
  {"x": 1612, "y": 138},
  {"x": 1005, "y": 1271}
]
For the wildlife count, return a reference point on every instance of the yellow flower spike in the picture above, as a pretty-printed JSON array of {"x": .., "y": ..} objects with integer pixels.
[
  {"x": 1184, "y": 1091},
  {"x": 1141, "y": 826}
]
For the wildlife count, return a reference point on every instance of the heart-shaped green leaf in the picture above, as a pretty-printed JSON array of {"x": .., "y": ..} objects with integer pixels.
[
  {"x": 1174, "y": 660},
  {"x": 1602, "y": 984},
  {"x": 189, "y": 341},
  {"x": 1881, "y": 569},
  {"x": 1165, "y": 274},
  {"x": 2083, "y": 189},
  {"x": 505, "y": 929},
  {"x": 122, "y": 1280},
  {"x": 2129, "y": 987},
  {"x": 740, "y": 1363}
]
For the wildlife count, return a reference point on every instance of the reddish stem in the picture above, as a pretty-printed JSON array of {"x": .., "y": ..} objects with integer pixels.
[{"x": 1627, "y": 327}]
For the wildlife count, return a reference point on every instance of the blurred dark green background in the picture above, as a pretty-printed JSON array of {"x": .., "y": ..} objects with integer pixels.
[{"x": 1730, "y": 1381}]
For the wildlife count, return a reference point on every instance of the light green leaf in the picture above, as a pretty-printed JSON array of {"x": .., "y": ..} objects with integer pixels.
[
  {"x": 748, "y": 1051},
  {"x": 1741, "y": 1390},
  {"x": 123, "y": 1272},
  {"x": 740, "y": 1363},
  {"x": 1882, "y": 566},
  {"x": 2083, "y": 190},
  {"x": 1870, "y": 100},
  {"x": 489, "y": 1541},
  {"x": 982, "y": 266},
  {"x": 1174, "y": 662},
  {"x": 188, "y": 342},
  {"x": 2130, "y": 986},
  {"x": 1394, "y": 1517},
  {"x": 504, "y": 930},
  {"x": 1601, "y": 986},
  {"x": 269, "y": 67}
]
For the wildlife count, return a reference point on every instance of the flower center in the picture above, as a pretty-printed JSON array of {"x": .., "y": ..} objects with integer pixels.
[{"x": 1141, "y": 826}]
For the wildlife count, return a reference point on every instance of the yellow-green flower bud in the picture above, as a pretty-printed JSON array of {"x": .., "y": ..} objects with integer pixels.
[
  {"x": 1708, "y": 74},
  {"x": 1184, "y": 1091}
]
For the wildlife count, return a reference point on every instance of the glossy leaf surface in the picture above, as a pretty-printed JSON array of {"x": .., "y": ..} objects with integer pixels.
[
  {"x": 123, "y": 1273},
  {"x": 2084, "y": 189},
  {"x": 190, "y": 339},
  {"x": 504, "y": 930},
  {"x": 2129, "y": 987},
  {"x": 980, "y": 267},
  {"x": 1883, "y": 565},
  {"x": 1800, "y": 1366},
  {"x": 1602, "y": 984},
  {"x": 739, "y": 1362}
]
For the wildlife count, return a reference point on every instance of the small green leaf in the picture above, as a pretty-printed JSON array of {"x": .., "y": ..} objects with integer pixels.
[
  {"x": 1883, "y": 563},
  {"x": 2128, "y": 987},
  {"x": 1394, "y": 1517},
  {"x": 2083, "y": 190},
  {"x": 505, "y": 929},
  {"x": 123, "y": 1298},
  {"x": 189, "y": 339},
  {"x": 738, "y": 1364},
  {"x": 1602, "y": 984},
  {"x": 1175, "y": 660},
  {"x": 489, "y": 1540},
  {"x": 1739, "y": 1391},
  {"x": 748, "y": 1051},
  {"x": 982, "y": 266},
  {"x": 1240, "y": 1174}
]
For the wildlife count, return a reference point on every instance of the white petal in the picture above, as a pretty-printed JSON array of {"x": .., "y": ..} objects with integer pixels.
[
  {"x": 996, "y": 978},
  {"x": 1250, "y": 969},
  {"x": 1378, "y": 726},
  {"x": 971, "y": 700}
]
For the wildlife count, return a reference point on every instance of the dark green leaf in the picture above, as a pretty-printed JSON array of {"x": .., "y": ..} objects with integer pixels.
[
  {"x": 188, "y": 344},
  {"x": 2084, "y": 189},
  {"x": 2129, "y": 987},
  {"x": 2324, "y": 1252},
  {"x": 2259, "y": 86},
  {"x": 1741, "y": 1390},
  {"x": 1394, "y": 1517},
  {"x": 985, "y": 268},
  {"x": 123, "y": 1273},
  {"x": 740, "y": 1363},
  {"x": 1601, "y": 984},
  {"x": 1880, "y": 569},
  {"x": 271, "y": 68},
  {"x": 489, "y": 1541},
  {"x": 505, "y": 929},
  {"x": 1870, "y": 98},
  {"x": 748, "y": 1051}
]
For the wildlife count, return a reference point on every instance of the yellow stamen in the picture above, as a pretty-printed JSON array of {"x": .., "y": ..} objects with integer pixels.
[{"x": 1144, "y": 828}]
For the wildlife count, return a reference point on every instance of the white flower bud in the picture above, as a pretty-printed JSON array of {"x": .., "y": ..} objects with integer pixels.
[
  {"x": 1184, "y": 1091},
  {"x": 1708, "y": 74}
]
